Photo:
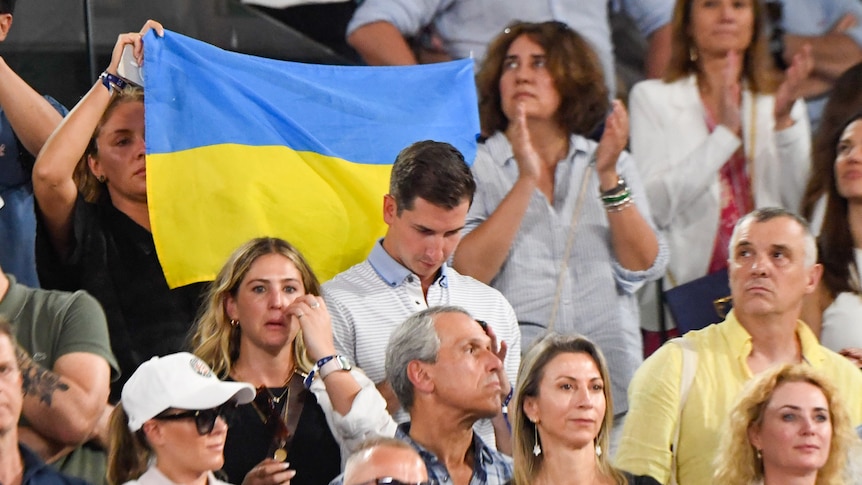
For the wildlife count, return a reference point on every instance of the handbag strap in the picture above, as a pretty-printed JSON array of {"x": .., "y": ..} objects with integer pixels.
[
  {"x": 569, "y": 243},
  {"x": 689, "y": 365}
]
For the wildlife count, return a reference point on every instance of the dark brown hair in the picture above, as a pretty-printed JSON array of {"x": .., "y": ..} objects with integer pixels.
[
  {"x": 836, "y": 242},
  {"x": 434, "y": 171},
  {"x": 844, "y": 101},
  {"x": 572, "y": 64}
]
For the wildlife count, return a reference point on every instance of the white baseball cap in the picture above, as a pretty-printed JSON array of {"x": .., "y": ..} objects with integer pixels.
[{"x": 181, "y": 381}]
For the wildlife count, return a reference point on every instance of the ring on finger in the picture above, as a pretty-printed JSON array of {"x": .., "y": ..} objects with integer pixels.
[
  {"x": 314, "y": 304},
  {"x": 300, "y": 315}
]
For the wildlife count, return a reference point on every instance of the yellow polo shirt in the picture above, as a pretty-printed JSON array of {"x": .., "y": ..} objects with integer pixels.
[{"x": 722, "y": 350}]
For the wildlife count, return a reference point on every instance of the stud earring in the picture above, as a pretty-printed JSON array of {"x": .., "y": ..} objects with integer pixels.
[
  {"x": 692, "y": 53},
  {"x": 101, "y": 179},
  {"x": 759, "y": 454},
  {"x": 537, "y": 449},
  {"x": 234, "y": 323}
]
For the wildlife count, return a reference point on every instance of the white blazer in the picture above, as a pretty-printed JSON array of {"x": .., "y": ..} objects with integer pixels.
[{"x": 679, "y": 161}]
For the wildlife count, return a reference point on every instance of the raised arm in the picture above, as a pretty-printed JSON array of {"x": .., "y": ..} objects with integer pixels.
[
  {"x": 354, "y": 409},
  {"x": 381, "y": 44},
  {"x": 833, "y": 52},
  {"x": 53, "y": 185},
  {"x": 634, "y": 241},
  {"x": 482, "y": 253}
]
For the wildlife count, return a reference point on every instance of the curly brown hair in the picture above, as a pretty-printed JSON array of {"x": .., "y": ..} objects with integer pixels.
[{"x": 572, "y": 64}]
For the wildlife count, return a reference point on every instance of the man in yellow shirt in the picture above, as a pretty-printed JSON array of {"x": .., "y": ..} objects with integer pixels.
[{"x": 772, "y": 267}]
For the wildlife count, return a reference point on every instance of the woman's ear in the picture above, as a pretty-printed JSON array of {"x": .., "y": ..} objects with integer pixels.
[
  {"x": 531, "y": 409},
  {"x": 230, "y": 307},
  {"x": 95, "y": 168},
  {"x": 754, "y": 436},
  {"x": 153, "y": 432}
]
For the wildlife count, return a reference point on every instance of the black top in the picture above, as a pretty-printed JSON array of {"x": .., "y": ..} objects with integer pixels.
[
  {"x": 313, "y": 453},
  {"x": 114, "y": 259}
]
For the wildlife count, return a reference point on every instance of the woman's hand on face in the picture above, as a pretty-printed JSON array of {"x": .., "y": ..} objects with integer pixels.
[
  {"x": 316, "y": 325},
  {"x": 729, "y": 113},
  {"x": 791, "y": 88},
  {"x": 269, "y": 472},
  {"x": 613, "y": 141},
  {"x": 135, "y": 39},
  {"x": 529, "y": 163}
]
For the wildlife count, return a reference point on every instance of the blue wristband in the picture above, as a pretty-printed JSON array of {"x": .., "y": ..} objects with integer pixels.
[
  {"x": 320, "y": 363},
  {"x": 508, "y": 398},
  {"x": 112, "y": 83}
]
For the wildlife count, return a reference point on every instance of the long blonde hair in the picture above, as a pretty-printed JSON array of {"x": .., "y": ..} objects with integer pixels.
[
  {"x": 128, "y": 452},
  {"x": 530, "y": 375},
  {"x": 737, "y": 462},
  {"x": 215, "y": 340}
]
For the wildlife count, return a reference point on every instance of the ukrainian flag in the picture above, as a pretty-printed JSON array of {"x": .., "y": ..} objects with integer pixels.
[{"x": 240, "y": 146}]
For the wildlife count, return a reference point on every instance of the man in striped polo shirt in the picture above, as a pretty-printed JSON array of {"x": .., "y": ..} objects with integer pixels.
[{"x": 431, "y": 189}]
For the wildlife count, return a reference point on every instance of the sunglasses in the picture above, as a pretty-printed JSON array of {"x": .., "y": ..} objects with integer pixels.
[
  {"x": 204, "y": 418},
  {"x": 395, "y": 481}
]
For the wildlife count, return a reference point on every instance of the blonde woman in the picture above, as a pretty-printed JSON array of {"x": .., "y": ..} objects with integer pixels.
[
  {"x": 788, "y": 426},
  {"x": 264, "y": 322},
  {"x": 564, "y": 416}
]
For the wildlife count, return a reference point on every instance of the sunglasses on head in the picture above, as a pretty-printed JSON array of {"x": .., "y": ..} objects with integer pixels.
[
  {"x": 395, "y": 481},
  {"x": 204, "y": 418}
]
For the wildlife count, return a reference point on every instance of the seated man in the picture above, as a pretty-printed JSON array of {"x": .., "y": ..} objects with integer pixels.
[
  {"x": 18, "y": 464},
  {"x": 381, "y": 460},
  {"x": 446, "y": 374},
  {"x": 772, "y": 266},
  {"x": 67, "y": 364},
  {"x": 457, "y": 29},
  {"x": 430, "y": 191}
]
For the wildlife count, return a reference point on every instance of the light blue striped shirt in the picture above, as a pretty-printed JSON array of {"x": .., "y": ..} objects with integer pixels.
[{"x": 598, "y": 295}]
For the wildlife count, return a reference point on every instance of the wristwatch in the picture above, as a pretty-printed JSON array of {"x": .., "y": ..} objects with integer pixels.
[
  {"x": 339, "y": 362},
  {"x": 326, "y": 366}
]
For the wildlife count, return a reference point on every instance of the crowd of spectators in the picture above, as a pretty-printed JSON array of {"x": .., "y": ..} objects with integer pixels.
[{"x": 493, "y": 335}]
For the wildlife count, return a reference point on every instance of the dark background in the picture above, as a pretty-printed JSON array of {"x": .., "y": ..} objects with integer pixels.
[{"x": 47, "y": 44}]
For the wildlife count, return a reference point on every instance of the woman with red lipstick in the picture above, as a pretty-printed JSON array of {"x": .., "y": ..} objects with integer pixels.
[
  {"x": 788, "y": 426},
  {"x": 171, "y": 425},
  {"x": 94, "y": 228},
  {"x": 719, "y": 135},
  {"x": 564, "y": 416},
  {"x": 265, "y": 322},
  {"x": 834, "y": 312}
]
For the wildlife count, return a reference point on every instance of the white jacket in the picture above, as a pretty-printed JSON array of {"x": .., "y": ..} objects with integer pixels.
[{"x": 679, "y": 161}]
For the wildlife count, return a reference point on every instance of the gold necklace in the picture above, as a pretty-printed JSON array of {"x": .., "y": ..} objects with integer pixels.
[{"x": 286, "y": 391}]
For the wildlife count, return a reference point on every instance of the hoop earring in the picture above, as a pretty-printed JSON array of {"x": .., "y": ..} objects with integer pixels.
[{"x": 537, "y": 449}]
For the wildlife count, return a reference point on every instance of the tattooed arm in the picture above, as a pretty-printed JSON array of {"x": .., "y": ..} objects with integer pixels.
[{"x": 63, "y": 405}]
